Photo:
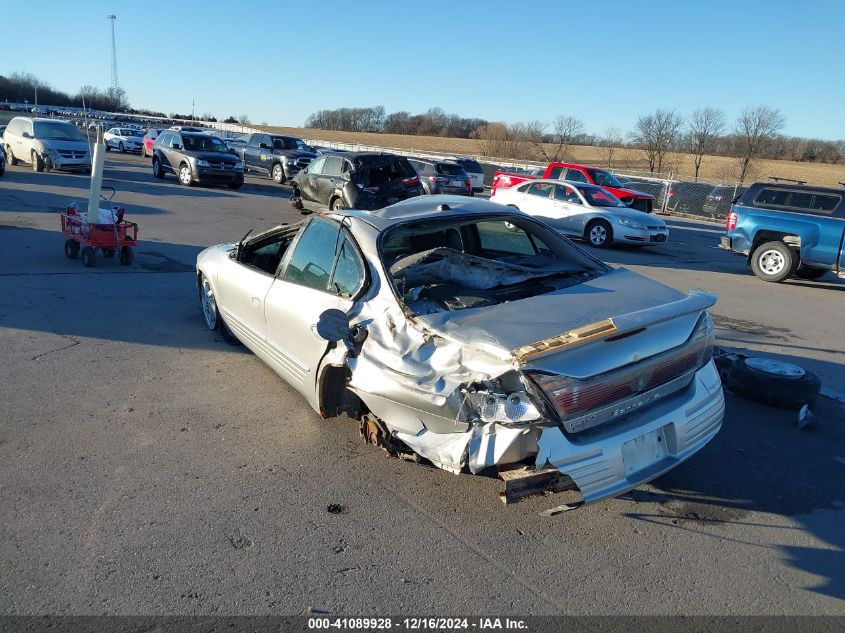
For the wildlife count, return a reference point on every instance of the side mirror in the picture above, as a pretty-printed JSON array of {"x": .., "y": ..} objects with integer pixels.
[
  {"x": 176, "y": 146},
  {"x": 26, "y": 135},
  {"x": 333, "y": 325},
  {"x": 263, "y": 146}
]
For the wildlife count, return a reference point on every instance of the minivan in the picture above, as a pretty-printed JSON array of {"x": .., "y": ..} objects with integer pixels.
[{"x": 50, "y": 143}]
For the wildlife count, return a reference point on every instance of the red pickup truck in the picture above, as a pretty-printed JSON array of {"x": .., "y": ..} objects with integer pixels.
[{"x": 581, "y": 173}]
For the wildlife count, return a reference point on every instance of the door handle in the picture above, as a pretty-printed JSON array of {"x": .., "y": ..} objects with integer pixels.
[{"x": 256, "y": 303}]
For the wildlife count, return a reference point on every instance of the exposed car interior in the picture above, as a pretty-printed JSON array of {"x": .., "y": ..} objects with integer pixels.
[{"x": 438, "y": 266}]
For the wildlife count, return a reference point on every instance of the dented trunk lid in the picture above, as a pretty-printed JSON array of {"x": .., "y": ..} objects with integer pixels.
[{"x": 533, "y": 332}]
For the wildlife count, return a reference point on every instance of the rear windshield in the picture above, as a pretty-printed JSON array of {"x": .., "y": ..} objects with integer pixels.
[
  {"x": 450, "y": 169},
  {"x": 472, "y": 166},
  {"x": 378, "y": 170}
]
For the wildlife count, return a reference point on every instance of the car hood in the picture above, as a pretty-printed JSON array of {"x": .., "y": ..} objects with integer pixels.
[
  {"x": 215, "y": 156},
  {"x": 626, "y": 192},
  {"x": 58, "y": 144},
  {"x": 646, "y": 219},
  {"x": 295, "y": 153},
  {"x": 630, "y": 299}
]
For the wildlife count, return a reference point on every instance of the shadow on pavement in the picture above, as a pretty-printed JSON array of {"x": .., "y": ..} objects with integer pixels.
[{"x": 760, "y": 461}]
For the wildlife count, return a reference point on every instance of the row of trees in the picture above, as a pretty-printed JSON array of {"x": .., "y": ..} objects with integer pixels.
[
  {"x": 756, "y": 133},
  {"x": 26, "y": 88}
]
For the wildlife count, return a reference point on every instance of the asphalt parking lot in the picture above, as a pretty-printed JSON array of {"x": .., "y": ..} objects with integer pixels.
[{"x": 147, "y": 466}]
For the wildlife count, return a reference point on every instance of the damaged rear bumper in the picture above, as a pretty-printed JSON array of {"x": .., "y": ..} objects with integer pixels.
[{"x": 602, "y": 462}]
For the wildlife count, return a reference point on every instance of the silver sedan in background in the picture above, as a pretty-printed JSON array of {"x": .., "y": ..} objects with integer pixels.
[
  {"x": 584, "y": 211},
  {"x": 478, "y": 338}
]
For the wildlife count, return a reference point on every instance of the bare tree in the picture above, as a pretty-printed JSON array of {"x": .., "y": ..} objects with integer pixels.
[
  {"x": 754, "y": 128},
  {"x": 610, "y": 140},
  {"x": 704, "y": 127},
  {"x": 243, "y": 119},
  {"x": 565, "y": 128},
  {"x": 656, "y": 133},
  {"x": 502, "y": 141},
  {"x": 534, "y": 133}
]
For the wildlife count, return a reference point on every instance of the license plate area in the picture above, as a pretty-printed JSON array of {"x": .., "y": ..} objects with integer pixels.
[{"x": 645, "y": 451}]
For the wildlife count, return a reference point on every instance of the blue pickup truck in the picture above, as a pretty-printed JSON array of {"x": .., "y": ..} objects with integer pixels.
[{"x": 787, "y": 230}]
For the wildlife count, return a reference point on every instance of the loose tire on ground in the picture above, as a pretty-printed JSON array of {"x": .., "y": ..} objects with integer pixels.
[
  {"x": 770, "y": 388},
  {"x": 773, "y": 261}
]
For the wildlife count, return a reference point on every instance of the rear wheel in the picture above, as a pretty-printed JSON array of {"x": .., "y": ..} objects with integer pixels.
[
  {"x": 773, "y": 261},
  {"x": 10, "y": 156},
  {"x": 143, "y": 151},
  {"x": 809, "y": 272},
  {"x": 71, "y": 249},
  {"x": 185, "y": 176},
  {"x": 278, "y": 174},
  {"x": 599, "y": 233},
  {"x": 37, "y": 161}
]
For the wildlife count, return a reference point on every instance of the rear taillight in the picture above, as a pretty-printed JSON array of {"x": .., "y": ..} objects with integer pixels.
[
  {"x": 573, "y": 398},
  {"x": 410, "y": 181},
  {"x": 370, "y": 189},
  {"x": 730, "y": 221},
  {"x": 469, "y": 182}
]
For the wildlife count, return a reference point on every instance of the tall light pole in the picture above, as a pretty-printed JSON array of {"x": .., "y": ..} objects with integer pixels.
[{"x": 111, "y": 17}]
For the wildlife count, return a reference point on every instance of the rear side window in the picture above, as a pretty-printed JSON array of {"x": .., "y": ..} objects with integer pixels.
[
  {"x": 575, "y": 175},
  {"x": 472, "y": 166},
  {"x": 333, "y": 166},
  {"x": 377, "y": 173},
  {"x": 348, "y": 273},
  {"x": 798, "y": 201},
  {"x": 541, "y": 189},
  {"x": 554, "y": 173}
]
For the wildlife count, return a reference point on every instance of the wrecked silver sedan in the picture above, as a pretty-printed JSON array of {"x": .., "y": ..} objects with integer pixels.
[{"x": 477, "y": 338}]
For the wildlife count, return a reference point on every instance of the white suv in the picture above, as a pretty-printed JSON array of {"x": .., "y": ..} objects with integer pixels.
[{"x": 50, "y": 143}]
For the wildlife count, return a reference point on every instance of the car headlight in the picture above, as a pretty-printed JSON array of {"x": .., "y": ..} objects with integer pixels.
[
  {"x": 514, "y": 407},
  {"x": 631, "y": 223},
  {"x": 290, "y": 161},
  {"x": 203, "y": 163},
  {"x": 239, "y": 166}
]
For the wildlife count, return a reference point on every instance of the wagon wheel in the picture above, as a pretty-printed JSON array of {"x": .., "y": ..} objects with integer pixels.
[
  {"x": 126, "y": 255},
  {"x": 89, "y": 256}
]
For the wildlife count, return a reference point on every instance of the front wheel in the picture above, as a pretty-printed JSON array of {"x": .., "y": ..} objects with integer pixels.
[
  {"x": 37, "y": 161},
  {"x": 599, "y": 233},
  {"x": 158, "y": 172},
  {"x": 210, "y": 313},
  {"x": 89, "y": 256},
  {"x": 185, "y": 176},
  {"x": 773, "y": 261},
  {"x": 278, "y": 174}
]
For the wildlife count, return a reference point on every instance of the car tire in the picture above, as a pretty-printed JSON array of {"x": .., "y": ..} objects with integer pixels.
[
  {"x": 37, "y": 161},
  {"x": 773, "y": 261},
  {"x": 599, "y": 233},
  {"x": 143, "y": 151},
  {"x": 71, "y": 249},
  {"x": 121, "y": 148},
  {"x": 211, "y": 314},
  {"x": 10, "y": 156},
  {"x": 337, "y": 205},
  {"x": 277, "y": 173},
  {"x": 185, "y": 176},
  {"x": 771, "y": 388},
  {"x": 296, "y": 199},
  {"x": 108, "y": 147},
  {"x": 810, "y": 272},
  {"x": 89, "y": 257},
  {"x": 158, "y": 171}
]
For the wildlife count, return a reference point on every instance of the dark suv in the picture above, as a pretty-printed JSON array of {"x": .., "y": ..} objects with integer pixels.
[
  {"x": 354, "y": 180},
  {"x": 441, "y": 176},
  {"x": 196, "y": 157}
]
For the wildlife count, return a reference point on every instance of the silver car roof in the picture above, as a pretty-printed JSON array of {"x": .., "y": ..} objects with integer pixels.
[{"x": 427, "y": 207}]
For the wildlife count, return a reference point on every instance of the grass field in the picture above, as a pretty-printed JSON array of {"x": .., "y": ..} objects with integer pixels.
[{"x": 713, "y": 167}]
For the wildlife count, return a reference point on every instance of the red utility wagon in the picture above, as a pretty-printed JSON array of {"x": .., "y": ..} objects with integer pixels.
[{"x": 120, "y": 237}]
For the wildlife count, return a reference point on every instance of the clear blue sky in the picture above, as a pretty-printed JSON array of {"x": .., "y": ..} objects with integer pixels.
[{"x": 601, "y": 60}]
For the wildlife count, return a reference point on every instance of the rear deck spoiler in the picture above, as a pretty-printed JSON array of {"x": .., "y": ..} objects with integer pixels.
[{"x": 695, "y": 301}]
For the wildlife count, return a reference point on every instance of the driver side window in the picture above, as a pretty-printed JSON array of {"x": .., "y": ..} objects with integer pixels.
[
  {"x": 325, "y": 260},
  {"x": 316, "y": 165}
]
